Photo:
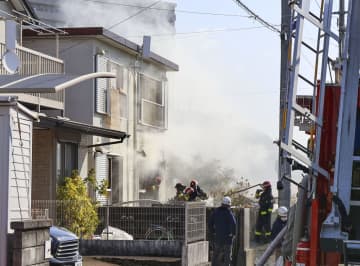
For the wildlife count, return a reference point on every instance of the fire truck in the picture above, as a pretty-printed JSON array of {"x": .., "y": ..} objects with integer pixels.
[{"x": 325, "y": 228}]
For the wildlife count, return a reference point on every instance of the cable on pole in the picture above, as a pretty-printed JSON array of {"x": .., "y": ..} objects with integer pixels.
[{"x": 257, "y": 17}]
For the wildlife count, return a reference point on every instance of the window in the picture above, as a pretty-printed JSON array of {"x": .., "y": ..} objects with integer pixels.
[
  {"x": 123, "y": 105},
  {"x": 109, "y": 168},
  {"x": 120, "y": 84},
  {"x": 153, "y": 102},
  {"x": 101, "y": 87},
  {"x": 66, "y": 160}
]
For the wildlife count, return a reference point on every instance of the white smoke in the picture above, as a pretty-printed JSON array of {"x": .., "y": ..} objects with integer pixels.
[{"x": 203, "y": 119}]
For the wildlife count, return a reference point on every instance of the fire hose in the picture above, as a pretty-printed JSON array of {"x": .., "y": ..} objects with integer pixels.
[{"x": 242, "y": 190}]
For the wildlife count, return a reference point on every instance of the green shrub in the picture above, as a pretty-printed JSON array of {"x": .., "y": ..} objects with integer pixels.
[{"x": 78, "y": 210}]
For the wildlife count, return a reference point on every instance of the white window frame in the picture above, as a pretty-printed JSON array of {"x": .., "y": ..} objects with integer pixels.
[
  {"x": 105, "y": 109},
  {"x": 163, "y": 104}
]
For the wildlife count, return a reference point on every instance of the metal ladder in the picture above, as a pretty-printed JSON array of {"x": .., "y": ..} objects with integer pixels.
[
  {"x": 348, "y": 102},
  {"x": 301, "y": 13}
]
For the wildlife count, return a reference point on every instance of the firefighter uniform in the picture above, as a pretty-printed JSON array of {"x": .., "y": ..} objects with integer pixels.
[{"x": 263, "y": 223}]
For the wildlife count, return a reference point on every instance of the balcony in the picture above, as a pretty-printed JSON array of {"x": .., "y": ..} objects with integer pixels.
[{"x": 33, "y": 63}]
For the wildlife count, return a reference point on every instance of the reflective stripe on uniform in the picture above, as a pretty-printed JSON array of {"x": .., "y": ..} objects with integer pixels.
[
  {"x": 268, "y": 234},
  {"x": 257, "y": 233},
  {"x": 263, "y": 212},
  {"x": 270, "y": 210}
]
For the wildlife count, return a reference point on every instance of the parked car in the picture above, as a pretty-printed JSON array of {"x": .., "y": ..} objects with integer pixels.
[{"x": 64, "y": 247}]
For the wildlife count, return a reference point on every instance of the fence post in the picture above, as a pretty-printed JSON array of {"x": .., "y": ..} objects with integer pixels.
[
  {"x": 186, "y": 222},
  {"x": 205, "y": 222}
]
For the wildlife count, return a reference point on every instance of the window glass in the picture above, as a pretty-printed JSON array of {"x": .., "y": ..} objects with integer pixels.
[
  {"x": 66, "y": 160},
  {"x": 153, "y": 102}
]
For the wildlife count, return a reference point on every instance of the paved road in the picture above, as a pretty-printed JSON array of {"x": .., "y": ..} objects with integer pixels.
[{"x": 94, "y": 262}]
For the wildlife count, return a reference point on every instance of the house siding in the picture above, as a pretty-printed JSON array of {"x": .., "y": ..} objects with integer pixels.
[{"x": 20, "y": 167}]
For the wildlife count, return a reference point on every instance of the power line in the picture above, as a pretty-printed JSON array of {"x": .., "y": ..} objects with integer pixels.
[
  {"x": 257, "y": 17},
  {"x": 168, "y": 9},
  {"x": 135, "y": 14},
  {"x": 118, "y": 23},
  {"x": 199, "y": 32}
]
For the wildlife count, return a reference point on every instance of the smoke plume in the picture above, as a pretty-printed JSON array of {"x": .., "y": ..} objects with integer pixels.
[{"x": 210, "y": 137}]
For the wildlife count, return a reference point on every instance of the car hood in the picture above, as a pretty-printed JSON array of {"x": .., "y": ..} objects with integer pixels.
[{"x": 62, "y": 234}]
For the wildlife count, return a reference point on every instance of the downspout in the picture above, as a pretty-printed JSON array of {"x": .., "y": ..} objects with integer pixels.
[{"x": 135, "y": 136}]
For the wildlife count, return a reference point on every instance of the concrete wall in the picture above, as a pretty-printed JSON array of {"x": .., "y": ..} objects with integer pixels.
[
  {"x": 195, "y": 254},
  {"x": 28, "y": 243}
]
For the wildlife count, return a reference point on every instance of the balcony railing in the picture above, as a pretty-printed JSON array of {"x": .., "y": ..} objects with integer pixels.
[{"x": 33, "y": 63}]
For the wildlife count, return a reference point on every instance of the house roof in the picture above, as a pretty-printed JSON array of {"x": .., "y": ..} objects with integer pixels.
[
  {"x": 60, "y": 122},
  {"x": 45, "y": 83},
  {"x": 117, "y": 40},
  {"x": 13, "y": 100},
  {"x": 24, "y": 7}
]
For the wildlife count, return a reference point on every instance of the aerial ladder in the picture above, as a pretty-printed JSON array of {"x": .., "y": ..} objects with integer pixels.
[{"x": 329, "y": 232}]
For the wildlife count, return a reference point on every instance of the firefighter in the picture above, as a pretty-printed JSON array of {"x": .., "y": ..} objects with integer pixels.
[
  {"x": 198, "y": 192},
  {"x": 266, "y": 200},
  {"x": 189, "y": 193},
  {"x": 278, "y": 225},
  {"x": 180, "y": 195},
  {"x": 222, "y": 226}
]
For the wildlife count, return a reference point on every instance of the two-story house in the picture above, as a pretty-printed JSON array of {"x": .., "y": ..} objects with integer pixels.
[
  {"x": 37, "y": 80},
  {"x": 24, "y": 73},
  {"x": 135, "y": 102}
]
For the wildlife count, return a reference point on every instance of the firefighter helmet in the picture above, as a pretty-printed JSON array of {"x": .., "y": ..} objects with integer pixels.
[
  {"x": 226, "y": 201},
  {"x": 193, "y": 183},
  {"x": 180, "y": 186},
  {"x": 266, "y": 184},
  {"x": 282, "y": 211},
  {"x": 189, "y": 191}
]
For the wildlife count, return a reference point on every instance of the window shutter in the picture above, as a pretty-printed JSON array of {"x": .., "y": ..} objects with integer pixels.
[
  {"x": 101, "y": 170},
  {"x": 101, "y": 87},
  {"x": 117, "y": 179}
]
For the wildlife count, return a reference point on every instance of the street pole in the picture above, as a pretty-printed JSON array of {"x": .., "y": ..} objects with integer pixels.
[
  {"x": 284, "y": 166},
  {"x": 108, "y": 212}
]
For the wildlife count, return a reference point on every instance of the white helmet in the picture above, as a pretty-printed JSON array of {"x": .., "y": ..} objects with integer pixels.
[
  {"x": 226, "y": 201},
  {"x": 282, "y": 211}
]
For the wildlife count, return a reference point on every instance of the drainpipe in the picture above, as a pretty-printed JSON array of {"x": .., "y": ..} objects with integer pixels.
[{"x": 136, "y": 86}]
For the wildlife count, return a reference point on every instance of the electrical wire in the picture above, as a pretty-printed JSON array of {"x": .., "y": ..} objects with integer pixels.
[
  {"x": 198, "y": 32},
  {"x": 168, "y": 9},
  {"x": 116, "y": 24},
  {"x": 257, "y": 17},
  {"x": 135, "y": 14}
]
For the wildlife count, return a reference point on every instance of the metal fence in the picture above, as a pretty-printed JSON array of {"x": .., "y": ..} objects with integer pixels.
[
  {"x": 184, "y": 221},
  {"x": 33, "y": 63}
]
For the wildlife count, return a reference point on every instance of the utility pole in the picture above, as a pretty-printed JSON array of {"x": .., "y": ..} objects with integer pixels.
[{"x": 284, "y": 166}]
